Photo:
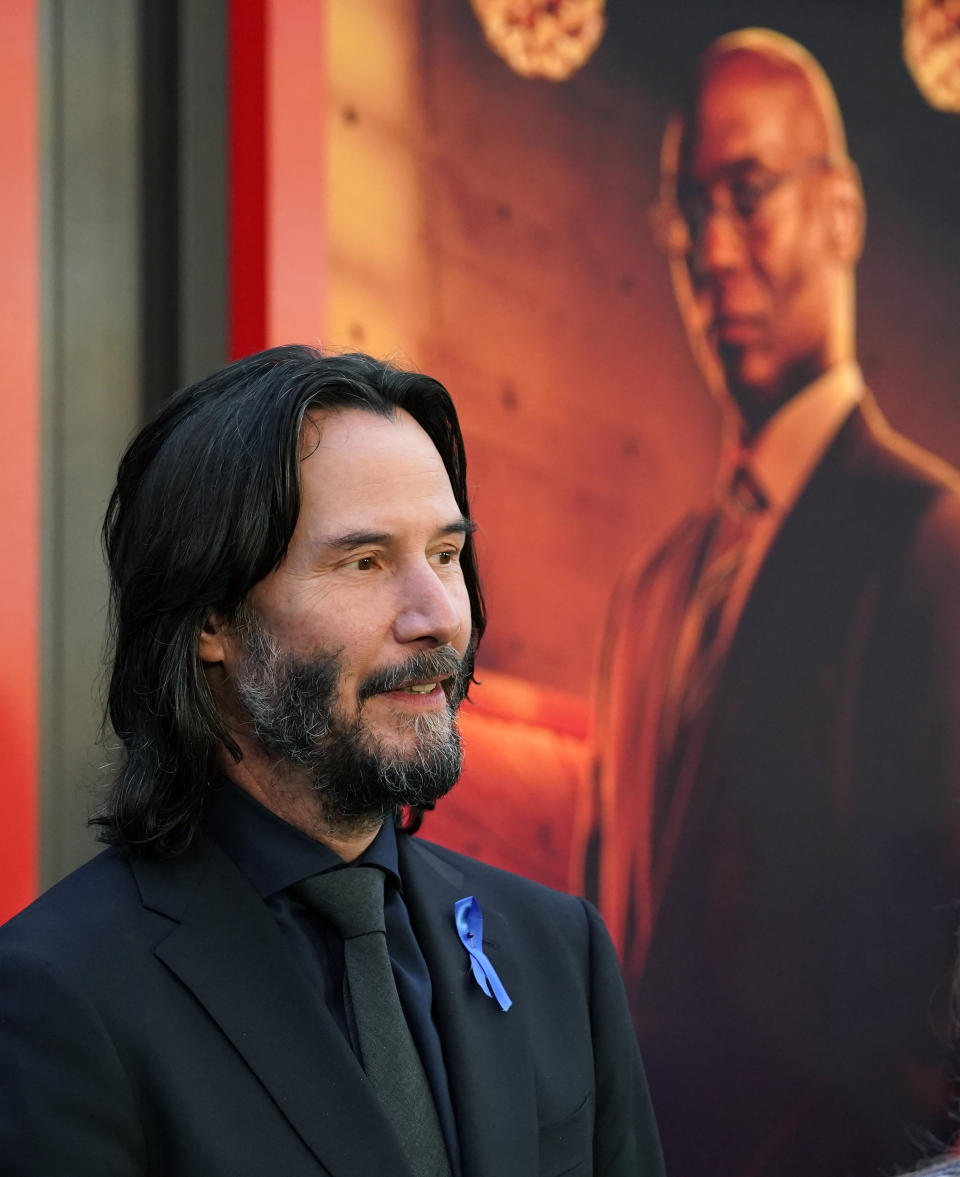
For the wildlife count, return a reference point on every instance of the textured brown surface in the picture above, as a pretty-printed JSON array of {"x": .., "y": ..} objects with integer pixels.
[{"x": 492, "y": 229}]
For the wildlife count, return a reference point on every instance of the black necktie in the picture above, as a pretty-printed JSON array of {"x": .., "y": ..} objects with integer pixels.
[
  {"x": 352, "y": 900},
  {"x": 729, "y": 534},
  {"x": 701, "y": 649}
]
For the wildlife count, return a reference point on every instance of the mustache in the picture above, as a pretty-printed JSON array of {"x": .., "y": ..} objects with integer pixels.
[{"x": 441, "y": 663}]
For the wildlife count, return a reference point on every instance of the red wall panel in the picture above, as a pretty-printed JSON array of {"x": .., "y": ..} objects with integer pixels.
[
  {"x": 19, "y": 457},
  {"x": 277, "y": 241}
]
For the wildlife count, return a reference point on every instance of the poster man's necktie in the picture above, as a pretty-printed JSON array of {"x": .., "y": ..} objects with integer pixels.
[
  {"x": 352, "y": 900},
  {"x": 702, "y": 643}
]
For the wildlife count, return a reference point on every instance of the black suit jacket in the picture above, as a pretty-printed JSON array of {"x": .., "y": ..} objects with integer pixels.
[
  {"x": 789, "y": 926},
  {"x": 153, "y": 1020}
]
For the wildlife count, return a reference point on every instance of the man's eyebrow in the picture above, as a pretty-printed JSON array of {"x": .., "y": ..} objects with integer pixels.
[
  {"x": 361, "y": 539},
  {"x": 739, "y": 166},
  {"x": 464, "y": 525},
  {"x": 357, "y": 539},
  {"x": 732, "y": 169}
]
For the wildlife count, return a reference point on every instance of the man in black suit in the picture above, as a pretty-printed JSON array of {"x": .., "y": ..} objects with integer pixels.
[
  {"x": 775, "y": 816},
  {"x": 262, "y": 974}
]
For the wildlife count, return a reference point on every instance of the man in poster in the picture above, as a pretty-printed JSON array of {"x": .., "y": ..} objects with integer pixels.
[{"x": 776, "y": 806}]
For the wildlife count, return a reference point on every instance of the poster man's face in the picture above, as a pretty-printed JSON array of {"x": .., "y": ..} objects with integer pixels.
[{"x": 751, "y": 187}]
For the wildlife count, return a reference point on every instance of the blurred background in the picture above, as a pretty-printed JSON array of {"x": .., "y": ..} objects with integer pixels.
[{"x": 188, "y": 181}]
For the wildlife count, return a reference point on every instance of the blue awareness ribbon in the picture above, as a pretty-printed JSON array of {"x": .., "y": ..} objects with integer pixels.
[{"x": 469, "y": 920}]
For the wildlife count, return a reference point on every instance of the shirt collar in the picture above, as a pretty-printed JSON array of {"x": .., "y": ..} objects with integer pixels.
[
  {"x": 783, "y": 455},
  {"x": 273, "y": 854}
]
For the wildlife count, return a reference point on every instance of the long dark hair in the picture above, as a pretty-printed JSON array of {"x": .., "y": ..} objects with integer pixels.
[{"x": 206, "y": 501}]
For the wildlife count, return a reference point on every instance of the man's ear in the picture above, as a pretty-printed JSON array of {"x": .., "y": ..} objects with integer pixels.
[
  {"x": 847, "y": 214},
  {"x": 211, "y": 645}
]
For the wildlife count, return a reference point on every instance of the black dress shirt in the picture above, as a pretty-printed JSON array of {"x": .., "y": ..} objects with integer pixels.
[{"x": 273, "y": 856}]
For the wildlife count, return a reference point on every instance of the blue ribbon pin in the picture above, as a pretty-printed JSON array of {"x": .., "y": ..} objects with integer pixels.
[{"x": 469, "y": 920}]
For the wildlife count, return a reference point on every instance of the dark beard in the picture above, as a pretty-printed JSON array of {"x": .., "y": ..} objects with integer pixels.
[{"x": 290, "y": 703}]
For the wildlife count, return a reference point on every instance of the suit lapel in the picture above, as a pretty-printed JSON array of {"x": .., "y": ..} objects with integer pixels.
[
  {"x": 228, "y": 950},
  {"x": 487, "y": 1056},
  {"x": 819, "y": 514},
  {"x": 643, "y": 630}
]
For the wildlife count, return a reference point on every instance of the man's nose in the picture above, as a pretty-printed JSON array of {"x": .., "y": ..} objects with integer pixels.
[
  {"x": 426, "y": 608},
  {"x": 721, "y": 246}
]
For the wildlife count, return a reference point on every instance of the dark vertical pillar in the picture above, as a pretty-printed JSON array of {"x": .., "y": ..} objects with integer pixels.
[
  {"x": 202, "y": 205},
  {"x": 159, "y": 103},
  {"x": 91, "y": 367}
]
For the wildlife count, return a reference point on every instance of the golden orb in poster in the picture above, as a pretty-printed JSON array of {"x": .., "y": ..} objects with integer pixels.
[
  {"x": 542, "y": 38},
  {"x": 931, "y": 49}
]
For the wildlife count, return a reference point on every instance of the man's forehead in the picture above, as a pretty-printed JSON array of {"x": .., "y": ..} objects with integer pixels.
[
  {"x": 367, "y": 472},
  {"x": 744, "y": 114},
  {"x": 357, "y": 435}
]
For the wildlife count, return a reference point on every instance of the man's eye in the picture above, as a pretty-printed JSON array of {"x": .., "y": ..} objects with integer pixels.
[
  {"x": 746, "y": 196},
  {"x": 445, "y": 557},
  {"x": 693, "y": 204},
  {"x": 363, "y": 563}
]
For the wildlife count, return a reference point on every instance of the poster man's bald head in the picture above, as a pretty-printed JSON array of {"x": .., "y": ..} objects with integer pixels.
[
  {"x": 770, "y": 214},
  {"x": 761, "y": 58}
]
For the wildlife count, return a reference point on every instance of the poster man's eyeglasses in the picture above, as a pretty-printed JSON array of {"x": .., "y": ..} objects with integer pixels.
[{"x": 740, "y": 195}]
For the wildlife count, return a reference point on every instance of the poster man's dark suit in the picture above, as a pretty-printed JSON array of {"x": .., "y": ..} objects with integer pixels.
[
  {"x": 153, "y": 1020},
  {"x": 786, "y": 904}
]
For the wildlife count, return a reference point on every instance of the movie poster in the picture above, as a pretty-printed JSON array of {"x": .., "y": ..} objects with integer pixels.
[{"x": 692, "y": 273}]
